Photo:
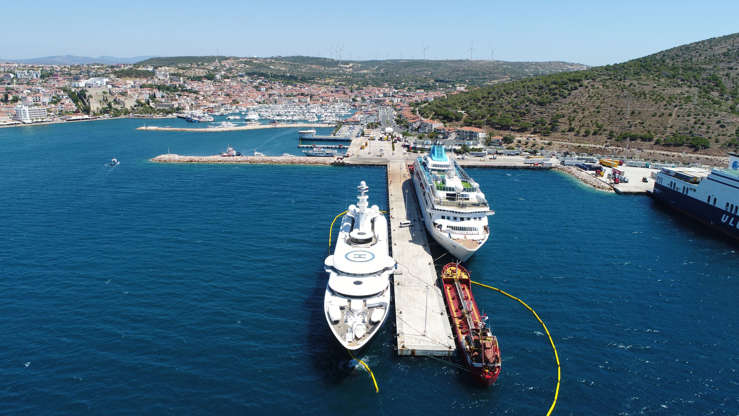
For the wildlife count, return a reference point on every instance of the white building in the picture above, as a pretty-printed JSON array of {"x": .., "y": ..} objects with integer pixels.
[
  {"x": 26, "y": 114},
  {"x": 96, "y": 82},
  {"x": 28, "y": 74},
  {"x": 91, "y": 82}
]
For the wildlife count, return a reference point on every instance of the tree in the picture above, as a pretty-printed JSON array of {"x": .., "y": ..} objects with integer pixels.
[{"x": 508, "y": 139}]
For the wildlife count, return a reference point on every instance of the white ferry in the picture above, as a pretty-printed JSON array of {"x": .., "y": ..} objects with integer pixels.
[
  {"x": 357, "y": 296},
  {"x": 711, "y": 197},
  {"x": 454, "y": 208},
  {"x": 318, "y": 152}
]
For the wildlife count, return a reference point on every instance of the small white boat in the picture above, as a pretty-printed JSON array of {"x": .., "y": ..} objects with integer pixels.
[{"x": 114, "y": 162}]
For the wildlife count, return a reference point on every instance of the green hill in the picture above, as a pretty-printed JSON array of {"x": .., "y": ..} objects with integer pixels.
[
  {"x": 684, "y": 97},
  {"x": 180, "y": 60},
  {"x": 401, "y": 73}
]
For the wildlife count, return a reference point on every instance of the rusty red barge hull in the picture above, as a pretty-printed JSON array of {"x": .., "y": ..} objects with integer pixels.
[{"x": 475, "y": 341}]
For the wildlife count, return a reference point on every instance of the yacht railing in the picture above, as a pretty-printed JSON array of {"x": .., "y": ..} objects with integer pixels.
[{"x": 460, "y": 203}]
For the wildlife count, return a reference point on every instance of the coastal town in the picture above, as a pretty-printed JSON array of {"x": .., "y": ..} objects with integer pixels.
[
  {"x": 42, "y": 94},
  {"x": 197, "y": 90},
  {"x": 56, "y": 93}
]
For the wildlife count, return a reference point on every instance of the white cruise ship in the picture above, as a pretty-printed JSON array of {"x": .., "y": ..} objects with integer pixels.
[
  {"x": 454, "y": 208},
  {"x": 357, "y": 296},
  {"x": 711, "y": 197}
]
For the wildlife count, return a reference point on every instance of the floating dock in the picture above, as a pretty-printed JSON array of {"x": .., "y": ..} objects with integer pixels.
[
  {"x": 314, "y": 138},
  {"x": 322, "y": 146},
  {"x": 421, "y": 319}
]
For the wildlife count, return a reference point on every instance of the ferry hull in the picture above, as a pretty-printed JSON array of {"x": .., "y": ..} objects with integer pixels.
[{"x": 714, "y": 217}]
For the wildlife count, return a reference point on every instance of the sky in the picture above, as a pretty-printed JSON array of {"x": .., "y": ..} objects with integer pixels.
[{"x": 589, "y": 32}]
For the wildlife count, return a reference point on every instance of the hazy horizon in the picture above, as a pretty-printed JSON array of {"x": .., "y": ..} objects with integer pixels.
[{"x": 574, "y": 31}]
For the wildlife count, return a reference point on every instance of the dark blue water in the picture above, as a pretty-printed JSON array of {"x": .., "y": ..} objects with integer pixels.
[{"x": 182, "y": 289}]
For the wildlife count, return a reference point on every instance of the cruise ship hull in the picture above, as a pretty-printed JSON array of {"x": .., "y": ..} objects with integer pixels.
[
  {"x": 714, "y": 217},
  {"x": 459, "y": 250}
]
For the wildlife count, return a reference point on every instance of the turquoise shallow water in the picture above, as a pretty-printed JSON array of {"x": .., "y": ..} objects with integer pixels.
[{"x": 176, "y": 289}]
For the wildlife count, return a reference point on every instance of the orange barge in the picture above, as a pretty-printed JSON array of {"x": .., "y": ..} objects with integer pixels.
[{"x": 475, "y": 340}]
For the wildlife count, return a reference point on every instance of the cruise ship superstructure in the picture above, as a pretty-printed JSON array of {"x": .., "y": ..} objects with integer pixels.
[
  {"x": 454, "y": 208},
  {"x": 357, "y": 297},
  {"x": 711, "y": 197}
]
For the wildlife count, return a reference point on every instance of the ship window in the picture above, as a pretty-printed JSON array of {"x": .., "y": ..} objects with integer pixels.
[
  {"x": 727, "y": 206},
  {"x": 709, "y": 199},
  {"x": 714, "y": 201}
]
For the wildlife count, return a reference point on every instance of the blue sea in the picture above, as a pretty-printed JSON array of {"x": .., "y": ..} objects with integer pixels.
[{"x": 197, "y": 289}]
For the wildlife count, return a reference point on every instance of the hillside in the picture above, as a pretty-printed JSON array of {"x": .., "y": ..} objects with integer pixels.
[
  {"x": 681, "y": 98},
  {"x": 180, "y": 60},
  {"x": 77, "y": 60},
  {"x": 403, "y": 73}
]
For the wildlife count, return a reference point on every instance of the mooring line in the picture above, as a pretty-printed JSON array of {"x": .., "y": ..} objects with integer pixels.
[
  {"x": 330, "y": 229},
  {"x": 330, "y": 232},
  {"x": 374, "y": 381}
]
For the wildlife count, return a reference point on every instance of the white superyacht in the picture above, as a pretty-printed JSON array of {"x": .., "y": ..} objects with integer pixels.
[
  {"x": 357, "y": 296},
  {"x": 454, "y": 208}
]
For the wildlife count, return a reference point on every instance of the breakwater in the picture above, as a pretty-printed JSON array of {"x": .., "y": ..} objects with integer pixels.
[
  {"x": 249, "y": 160},
  {"x": 216, "y": 129}
]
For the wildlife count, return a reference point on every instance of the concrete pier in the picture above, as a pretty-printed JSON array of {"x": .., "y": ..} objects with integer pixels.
[
  {"x": 249, "y": 160},
  {"x": 420, "y": 314}
]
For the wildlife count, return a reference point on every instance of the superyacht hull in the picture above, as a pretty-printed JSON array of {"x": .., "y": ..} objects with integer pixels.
[
  {"x": 357, "y": 298},
  {"x": 339, "y": 329}
]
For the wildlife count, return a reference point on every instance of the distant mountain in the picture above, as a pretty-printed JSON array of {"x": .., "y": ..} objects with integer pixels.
[
  {"x": 78, "y": 60},
  {"x": 404, "y": 73},
  {"x": 686, "y": 97}
]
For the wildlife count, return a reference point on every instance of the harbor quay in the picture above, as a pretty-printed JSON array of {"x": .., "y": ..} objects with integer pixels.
[
  {"x": 364, "y": 152},
  {"x": 422, "y": 323},
  {"x": 421, "y": 319}
]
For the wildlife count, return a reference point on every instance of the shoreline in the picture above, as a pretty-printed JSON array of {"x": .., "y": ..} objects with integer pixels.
[
  {"x": 218, "y": 129},
  {"x": 52, "y": 122},
  {"x": 584, "y": 178}
]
